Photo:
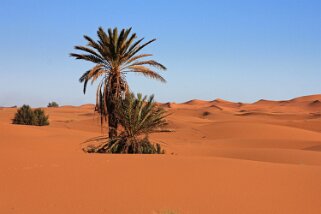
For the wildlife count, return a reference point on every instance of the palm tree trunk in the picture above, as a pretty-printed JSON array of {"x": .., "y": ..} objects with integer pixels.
[
  {"x": 112, "y": 123},
  {"x": 112, "y": 100}
]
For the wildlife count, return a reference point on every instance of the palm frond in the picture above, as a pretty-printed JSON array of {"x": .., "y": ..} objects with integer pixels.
[
  {"x": 95, "y": 45},
  {"x": 92, "y": 74},
  {"x": 151, "y": 63},
  {"x": 140, "y": 115},
  {"x": 89, "y": 50},
  {"x": 146, "y": 72},
  {"x": 136, "y": 50},
  {"x": 87, "y": 57},
  {"x": 128, "y": 43},
  {"x": 134, "y": 47},
  {"x": 124, "y": 44},
  {"x": 137, "y": 57},
  {"x": 84, "y": 76}
]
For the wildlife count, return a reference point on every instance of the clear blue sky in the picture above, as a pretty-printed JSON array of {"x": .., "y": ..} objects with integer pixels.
[{"x": 240, "y": 50}]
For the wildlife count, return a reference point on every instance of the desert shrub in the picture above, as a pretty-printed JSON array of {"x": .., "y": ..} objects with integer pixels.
[
  {"x": 138, "y": 117},
  {"x": 41, "y": 119},
  {"x": 206, "y": 113},
  {"x": 53, "y": 104},
  {"x": 124, "y": 145},
  {"x": 26, "y": 116}
]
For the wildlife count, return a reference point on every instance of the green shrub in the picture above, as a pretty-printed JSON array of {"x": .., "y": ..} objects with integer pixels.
[
  {"x": 122, "y": 145},
  {"x": 26, "y": 116},
  {"x": 41, "y": 119},
  {"x": 53, "y": 104}
]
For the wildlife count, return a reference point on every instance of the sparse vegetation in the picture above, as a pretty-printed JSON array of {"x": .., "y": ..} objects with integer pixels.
[
  {"x": 206, "y": 113},
  {"x": 24, "y": 116},
  {"x": 41, "y": 119},
  {"x": 138, "y": 117},
  {"x": 53, "y": 105},
  {"x": 27, "y": 116}
]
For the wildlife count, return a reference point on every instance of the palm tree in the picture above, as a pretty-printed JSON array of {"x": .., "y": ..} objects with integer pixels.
[
  {"x": 114, "y": 55},
  {"x": 138, "y": 116}
]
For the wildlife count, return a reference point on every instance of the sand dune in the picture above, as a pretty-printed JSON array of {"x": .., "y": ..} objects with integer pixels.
[
  {"x": 224, "y": 103},
  {"x": 223, "y": 157},
  {"x": 196, "y": 102}
]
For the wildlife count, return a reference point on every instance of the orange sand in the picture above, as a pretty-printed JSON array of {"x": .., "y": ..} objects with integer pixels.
[{"x": 237, "y": 158}]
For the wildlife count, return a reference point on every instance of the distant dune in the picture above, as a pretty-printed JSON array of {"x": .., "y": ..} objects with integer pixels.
[
  {"x": 222, "y": 157},
  {"x": 196, "y": 102}
]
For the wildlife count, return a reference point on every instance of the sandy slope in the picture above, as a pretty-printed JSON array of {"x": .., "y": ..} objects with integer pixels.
[{"x": 222, "y": 157}]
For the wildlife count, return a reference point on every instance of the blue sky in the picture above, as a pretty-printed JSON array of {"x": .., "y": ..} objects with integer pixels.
[{"x": 239, "y": 50}]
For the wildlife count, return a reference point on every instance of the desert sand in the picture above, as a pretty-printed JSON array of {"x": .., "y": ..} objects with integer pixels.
[{"x": 222, "y": 157}]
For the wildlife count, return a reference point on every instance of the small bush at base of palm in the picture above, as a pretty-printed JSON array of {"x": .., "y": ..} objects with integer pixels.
[
  {"x": 126, "y": 146},
  {"x": 26, "y": 116},
  {"x": 138, "y": 117},
  {"x": 53, "y": 104},
  {"x": 122, "y": 146}
]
